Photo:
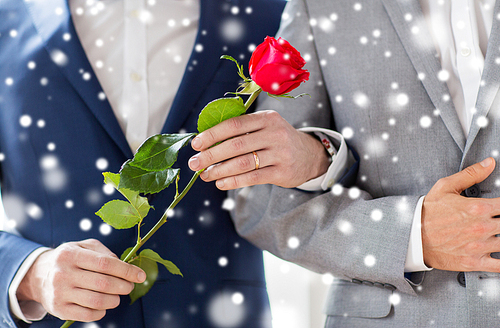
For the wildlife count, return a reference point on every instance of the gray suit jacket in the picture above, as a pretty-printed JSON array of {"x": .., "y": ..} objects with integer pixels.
[{"x": 374, "y": 70}]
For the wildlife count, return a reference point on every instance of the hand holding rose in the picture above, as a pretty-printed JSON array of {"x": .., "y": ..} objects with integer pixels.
[{"x": 287, "y": 157}]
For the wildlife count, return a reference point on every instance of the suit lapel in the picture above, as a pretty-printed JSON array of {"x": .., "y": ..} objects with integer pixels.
[
  {"x": 198, "y": 76},
  {"x": 490, "y": 81},
  {"x": 418, "y": 43},
  {"x": 53, "y": 20}
]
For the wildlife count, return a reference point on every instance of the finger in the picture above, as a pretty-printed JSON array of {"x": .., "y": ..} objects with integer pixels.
[
  {"x": 96, "y": 262},
  {"x": 252, "y": 178},
  {"x": 97, "y": 282},
  {"x": 489, "y": 264},
  {"x": 94, "y": 300},
  {"x": 468, "y": 177},
  {"x": 230, "y": 128},
  {"x": 79, "y": 313},
  {"x": 230, "y": 148},
  {"x": 97, "y": 246},
  {"x": 235, "y": 166}
]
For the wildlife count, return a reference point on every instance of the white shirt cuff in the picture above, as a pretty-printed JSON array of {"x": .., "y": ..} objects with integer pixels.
[
  {"x": 415, "y": 255},
  {"x": 26, "y": 311},
  {"x": 337, "y": 167}
]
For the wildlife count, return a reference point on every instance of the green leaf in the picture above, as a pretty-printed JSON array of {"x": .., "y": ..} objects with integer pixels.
[
  {"x": 140, "y": 203},
  {"x": 159, "y": 152},
  {"x": 151, "y": 268},
  {"x": 119, "y": 214},
  {"x": 152, "y": 255},
  {"x": 220, "y": 110},
  {"x": 146, "y": 182}
]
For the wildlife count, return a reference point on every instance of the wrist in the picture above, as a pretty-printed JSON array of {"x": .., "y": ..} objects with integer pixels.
[
  {"x": 29, "y": 287},
  {"x": 319, "y": 152}
]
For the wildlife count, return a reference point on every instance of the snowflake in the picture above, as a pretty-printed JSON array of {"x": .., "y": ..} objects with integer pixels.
[
  {"x": 85, "y": 224},
  {"x": 370, "y": 260},
  {"x": 101, "y": 164}
]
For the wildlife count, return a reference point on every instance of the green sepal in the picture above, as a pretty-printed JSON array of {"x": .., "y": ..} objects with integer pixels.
[
  {"x": 146, "y": 182},
  {"x": 152, "y": 255},
  {"x": 139, "y": 202},
  {"x": 220, "y": 110},
  {"x": 240, "y": 67},
  {"x": 151, "y": 268},
  {"x": 119, "y": 214},
  {"x": 287, "y": 95},
  {"x": 247, "y": 88},
  {"x": 160, "y": 151}
]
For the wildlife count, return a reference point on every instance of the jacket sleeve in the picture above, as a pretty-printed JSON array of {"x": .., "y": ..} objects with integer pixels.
[
  {"x": 346, "y": 232},
  {"x": 13, "y": 251}
]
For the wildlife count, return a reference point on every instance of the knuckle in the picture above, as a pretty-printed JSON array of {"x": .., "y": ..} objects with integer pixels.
[
  {"x": 471, "y": 171},
  {"x": 232, "y": 182},
  {"x": 234, "y": 124},
  {"x": 130, "y": 270},
  {"x": 103, "y": 263},
  {"x": 102, "y": 284},
  {"x": 244, "y": 163},
  {"x": 253, "y": 177},
  {"x": 478, "y": 229},
  {"x": 93, "y": 241},
  {"x": 96, "y": 302},
  {"x": 478, "y": 209},
  {"x": 282, "y": 134},
  {"x": 237, "y": 144},
  {"x": 468, "y": 263},
  {"x": 271, "y": 115},
  {"x": 209, "y": 155},
  {"x": 440, "y": 184},
  {"x": 212, "y": 136}
]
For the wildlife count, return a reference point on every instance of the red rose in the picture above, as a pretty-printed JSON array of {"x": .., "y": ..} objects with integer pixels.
[{"x": 276, "y": 66}]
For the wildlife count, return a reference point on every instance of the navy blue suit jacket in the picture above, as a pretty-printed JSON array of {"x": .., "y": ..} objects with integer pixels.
[{"x": 69, "y": 112}]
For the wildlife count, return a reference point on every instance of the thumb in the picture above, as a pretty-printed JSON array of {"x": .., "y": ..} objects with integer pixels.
[{"x": 469, "y": 176}]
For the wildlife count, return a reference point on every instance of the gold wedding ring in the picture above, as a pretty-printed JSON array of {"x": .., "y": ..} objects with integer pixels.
[{"x": 257, "y": 161}]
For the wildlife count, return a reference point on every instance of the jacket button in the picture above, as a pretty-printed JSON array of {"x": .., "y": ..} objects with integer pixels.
[
  {"x": 472, "y": 191},
  {"x": 461, "y": 279},
  {"x": 357, "y": 281}
]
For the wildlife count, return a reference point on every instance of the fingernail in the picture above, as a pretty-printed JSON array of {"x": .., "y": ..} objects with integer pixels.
[
  {"x": 220, "y": 184},
  {"x": 486, "y": 162},
  {"x": 194, "y": 163},
  {"x": 141, "y": 276},
  {"x": 204, "y": 175},
  {"x": 196, "y": 143}
]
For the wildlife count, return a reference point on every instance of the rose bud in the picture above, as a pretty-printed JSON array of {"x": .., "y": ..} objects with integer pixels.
[{"x": 276, "y": 66}]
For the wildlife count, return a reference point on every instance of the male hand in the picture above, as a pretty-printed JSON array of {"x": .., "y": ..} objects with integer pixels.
[
  {"x": 79, "y": 281},
  {"x": 287, "y": 157},
  {"x": 458, "y": 233}
]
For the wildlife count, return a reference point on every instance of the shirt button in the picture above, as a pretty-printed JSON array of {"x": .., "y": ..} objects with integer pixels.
[
  {"x": 472, "y": 191},
  {"x": 136, "y": 77},
  {"x": 465, "y": 51}
]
